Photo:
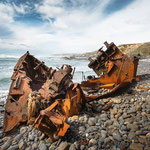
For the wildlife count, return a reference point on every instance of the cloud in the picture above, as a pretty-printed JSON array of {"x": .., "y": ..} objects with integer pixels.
[
  {"x": 6, "y": 13},
  {"x": 21, "y": 9},
  {"x": 5, "y": 32},
  {"x": 72, "y": 25}
]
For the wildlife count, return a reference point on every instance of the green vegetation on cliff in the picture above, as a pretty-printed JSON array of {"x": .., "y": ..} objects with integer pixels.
[{"x": 130, "y": 49}]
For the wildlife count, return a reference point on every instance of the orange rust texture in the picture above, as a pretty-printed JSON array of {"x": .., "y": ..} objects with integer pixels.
[
  {"x": 51, "y": 121},
  {"x": 114, "y": 69},
  {"x": 32, "y": 76},
  {"x": 142, "y": 87}
]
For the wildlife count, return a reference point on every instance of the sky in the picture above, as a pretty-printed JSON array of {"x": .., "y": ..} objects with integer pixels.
[{"x": 71, "y": 26}]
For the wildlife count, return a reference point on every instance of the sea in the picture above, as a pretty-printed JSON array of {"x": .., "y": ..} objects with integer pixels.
[{"x": 7, "y": 63}]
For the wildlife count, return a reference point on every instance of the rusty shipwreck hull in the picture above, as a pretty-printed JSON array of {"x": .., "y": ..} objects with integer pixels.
[
  {"x": 115, "y": 70},
  {"x": 32, "y": 76}
]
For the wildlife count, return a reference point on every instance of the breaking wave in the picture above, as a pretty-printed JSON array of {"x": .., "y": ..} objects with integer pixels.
[{"x": 9, "y": 56}]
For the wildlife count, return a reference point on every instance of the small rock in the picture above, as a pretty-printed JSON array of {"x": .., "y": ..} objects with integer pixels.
[
  {"x": 113, "y": 111},
  {"x": 99, "y": 108},
  {"x": 36, "y": 139},
  {"x": 116, "y": 136},
  {"x": 28, "y": 148},
  {"x": 134, "y": 127},
  {"x": 23, "y": 130},
  {"x": 76, "y": 144},
  {"x": 6, "y": 144},
  {"x": 63, "y": 146},
  {"x": 142, "y": 140},
  {"x": 147, "y": 148},
  {"x": 53, "y": 146},
  {"x": 136, "y": 146},
  {"x": 111, "y": 138},
  {"x": 108, "y": 123},
  {"x": 91, "y": 121},
  {"x": 131, "y": 134},
  {"x": 49, "y": 140},
  {"x": 14, "y": 147},
  {"x": 107, "y": 140},
  {"x": 92, "y": 148},
  {"x": 42, "y": 136},
  {"x": 82, "y": 147},
  {"x": 1, "y": 103},
  {"x": 31, "y": 137},
  {"x": 93, "y": 141},
  {"x": 1, "y": 141},
  {"x": 81, "y": 118},
  {"x": 42, "y": 146},
  {"x": 6, "y": 138},
  {"x": 116, "y": 100},
  {"x": 103, "y": 117},
  {"x": 22, "y": 144},
  {"x": 72, "y": 147},
  {"x": 103, "y": 133},
  {"x": 82, "y": 128},
  {"x": 148, "y": 134},
  {"x": 123, "y": 145},
  {"x": 132, "y": 100},
  {"x": 17, "y": 138},
  {"x": 34, "y": 146},
  {"x": 30, "y": 127},
  {"x": 132, "y": 110},
  {"x": 138, "y": 132}
]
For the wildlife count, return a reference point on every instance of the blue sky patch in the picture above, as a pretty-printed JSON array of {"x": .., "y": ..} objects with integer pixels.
[{"x": 116, "y": 5}]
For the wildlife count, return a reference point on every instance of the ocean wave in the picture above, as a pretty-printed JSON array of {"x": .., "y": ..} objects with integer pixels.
[
  {"x": 3, "y": 80},
  {"x": 145, "y": 60},
  {"x": 37, "y": 56},
  {"x": 9, "y": 56},
  {"x": 3, "y": 95}
]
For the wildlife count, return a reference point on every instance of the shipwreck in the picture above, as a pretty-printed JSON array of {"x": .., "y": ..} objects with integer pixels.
[{"x": 45, "y": 97}]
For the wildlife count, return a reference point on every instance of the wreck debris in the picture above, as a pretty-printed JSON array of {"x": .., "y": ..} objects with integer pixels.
[
  {"x": 84, "y": 141},
  {"x": 108, "y": 105},
  {"x": 31, "y": 75},
  {"x": 115, "y": 70},
  {"x": 143, "y": 87},
  {"x": 45, "y": 97},
  {"x": 51, "y": 121}
]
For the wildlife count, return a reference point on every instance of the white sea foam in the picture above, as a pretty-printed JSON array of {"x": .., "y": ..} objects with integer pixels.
[
  {"x": 37, "y": 56},
  {"x": 3, "y": 92},
  {"x": 147, "y": 60},
  {"x": 3, "y": 95},
  {"x": 9, "y": 56}
]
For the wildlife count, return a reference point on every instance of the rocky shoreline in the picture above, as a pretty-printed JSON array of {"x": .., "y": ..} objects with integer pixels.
[{"x": 126, "y": 125}]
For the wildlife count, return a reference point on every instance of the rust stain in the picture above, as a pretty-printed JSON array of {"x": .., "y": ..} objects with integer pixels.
[{"x": 115, "y": 70}]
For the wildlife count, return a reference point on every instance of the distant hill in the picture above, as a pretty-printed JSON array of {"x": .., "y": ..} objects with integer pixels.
[
  {"x": 143, "y": 49},
  {"x": 130, "y": 49}
]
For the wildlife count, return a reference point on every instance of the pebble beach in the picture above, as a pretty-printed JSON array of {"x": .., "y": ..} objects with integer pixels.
[{"x": 125, "y": 125}]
